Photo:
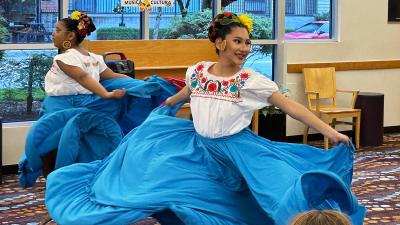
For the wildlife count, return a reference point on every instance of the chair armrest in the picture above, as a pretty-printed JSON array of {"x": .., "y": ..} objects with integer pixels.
[
  {"x": 312, "y": 93},
  {"x": 355, "y": 94},
  {"x": 346, "y": 91},
  {"x": 317, "y": 102}
]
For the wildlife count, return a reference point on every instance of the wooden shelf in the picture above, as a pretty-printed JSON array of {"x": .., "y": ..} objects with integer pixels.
[{"x": 345, "y": 66}]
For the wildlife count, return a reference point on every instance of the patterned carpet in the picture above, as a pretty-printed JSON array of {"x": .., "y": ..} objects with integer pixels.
[{"x": 376, "y": 183}]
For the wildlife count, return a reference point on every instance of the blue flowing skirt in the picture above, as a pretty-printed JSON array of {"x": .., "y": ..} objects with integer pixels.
[
  {"x": 164, "y": 164},
  {"x": 83, "y": 128}
]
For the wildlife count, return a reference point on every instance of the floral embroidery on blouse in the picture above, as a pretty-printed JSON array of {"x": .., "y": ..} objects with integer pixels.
[{"x": 228, "y": 90}]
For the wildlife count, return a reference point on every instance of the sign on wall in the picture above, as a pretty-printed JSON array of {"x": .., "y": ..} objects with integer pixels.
[{"x": 147, "y": 4}]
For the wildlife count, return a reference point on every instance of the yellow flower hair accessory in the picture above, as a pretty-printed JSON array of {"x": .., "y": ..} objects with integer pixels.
[
  {"x": 247, "y": 21},
  {"x": 75, "y": 15}
]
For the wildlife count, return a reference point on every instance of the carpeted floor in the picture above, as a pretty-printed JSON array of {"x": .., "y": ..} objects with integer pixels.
[{"x": 376, "y": 183}]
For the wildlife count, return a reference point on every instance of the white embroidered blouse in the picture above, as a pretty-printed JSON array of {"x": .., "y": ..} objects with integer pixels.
[
  {"x": 222, "y": 106},
  {"x": 58, "y": 83}
]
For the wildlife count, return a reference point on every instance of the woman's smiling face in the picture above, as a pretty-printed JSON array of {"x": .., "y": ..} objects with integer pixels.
[{"x": 238, "y": 46}]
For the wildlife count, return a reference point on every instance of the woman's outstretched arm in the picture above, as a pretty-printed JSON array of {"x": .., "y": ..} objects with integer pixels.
[
  {"x": 182, "y": 95},
  {"x": 301, "y": 113},
  {"x": 80, "y": 76}
]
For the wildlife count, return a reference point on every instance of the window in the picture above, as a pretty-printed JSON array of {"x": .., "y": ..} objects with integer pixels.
[
  {"x": 21, "y": 88},
  {"x": 112, "y": 21},
  {"x": 25, "y": 25},
  {"x": 28, "y": 24},
  {"x": 308, "y": 19},
  {"x": 260, "y": 60},
  {"x": 261, "y": 12},
  {"x": 27, "y": 21},
  {"x": 184, "y": 20}
]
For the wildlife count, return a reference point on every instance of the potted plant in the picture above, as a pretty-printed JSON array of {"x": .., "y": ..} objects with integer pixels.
[{"x": 272, "y": 121}]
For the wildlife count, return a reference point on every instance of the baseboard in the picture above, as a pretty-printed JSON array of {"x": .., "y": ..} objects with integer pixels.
[
  {"x": 318, "y": 137},
  {"x": 13, "y": 169},
  {"x": 391, "y": 129},
  {"x": 9, "y": 169},
  {"x": 312, "y": 137}
]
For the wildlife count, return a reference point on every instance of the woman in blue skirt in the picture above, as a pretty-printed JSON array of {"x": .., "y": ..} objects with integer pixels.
[{"x": 212, "y": 170}]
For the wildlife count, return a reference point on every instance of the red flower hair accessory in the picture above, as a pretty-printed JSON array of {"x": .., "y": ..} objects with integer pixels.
[
  {"x": 226, "y": 18},
  {"x": 85, "y": 24}
]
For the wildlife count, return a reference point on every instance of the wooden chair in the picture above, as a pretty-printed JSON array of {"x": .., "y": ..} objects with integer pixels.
[
  {"x": 320, "y": 88},
  {"x": 185, "y": 111}
]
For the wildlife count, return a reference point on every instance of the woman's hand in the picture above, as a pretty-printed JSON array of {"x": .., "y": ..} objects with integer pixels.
[
  {"x": 337, "y": 137},
  {"x": 115, "y": 94}
]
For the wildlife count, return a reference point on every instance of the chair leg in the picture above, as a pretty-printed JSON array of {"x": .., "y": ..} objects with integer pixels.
[
  {"x": 333, "y": 124},
  {"x": 358, "y": 122},
  {"x": 326, "y": 143},
  {"x": 305, "y": 134},
  {"x": 254, "y": 121}
]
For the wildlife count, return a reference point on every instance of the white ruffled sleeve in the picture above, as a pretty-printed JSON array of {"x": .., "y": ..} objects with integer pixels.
[
  {"x": 189, "y": 73},
  {"x": 102, "y": 64},
  {"x": 69, "y": 58},
  {"x": 258, "y": 88}
]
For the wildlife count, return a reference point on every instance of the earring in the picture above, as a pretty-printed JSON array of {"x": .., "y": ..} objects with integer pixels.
[
  {"x": 66, "y": 44},
  {"x": 223, "y": 45}
]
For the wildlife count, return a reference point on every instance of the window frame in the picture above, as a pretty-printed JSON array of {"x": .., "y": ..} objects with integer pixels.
[
  {"x": 333, "y": 27},
  {"x": 278, "y": 41}
]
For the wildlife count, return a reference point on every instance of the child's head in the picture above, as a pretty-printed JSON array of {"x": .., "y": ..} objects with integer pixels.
[
  {"x": 231, "y": 33},
  {"x": 73, "y": 29},
  {"x": 321, "y": 217}
]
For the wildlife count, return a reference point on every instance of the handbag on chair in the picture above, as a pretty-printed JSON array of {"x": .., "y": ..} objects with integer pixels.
[{"x": 121, "y": 65}]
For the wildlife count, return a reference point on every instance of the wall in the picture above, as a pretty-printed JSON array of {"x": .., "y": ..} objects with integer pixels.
[
  {"x": 14, "y": 141},
  {"x": 364, "y": 35}
]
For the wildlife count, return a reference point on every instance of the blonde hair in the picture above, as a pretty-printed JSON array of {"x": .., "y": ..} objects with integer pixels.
[{"x": 321, "y": 217}]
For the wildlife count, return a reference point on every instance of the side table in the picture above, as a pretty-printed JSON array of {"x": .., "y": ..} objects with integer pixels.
[{"x": 371, "y": 128}]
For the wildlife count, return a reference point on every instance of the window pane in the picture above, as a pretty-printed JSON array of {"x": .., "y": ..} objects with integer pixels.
[
  {"x": 27, "y": 21},
  {"x": 260, "y": 60},
  {"x": 112, "y": 21},
  {"x": 308, "y": 19},
  {"x": 181, "y": 21},
  {"x": 261, "y": 11},
  {"x": 22, "y": 75}
]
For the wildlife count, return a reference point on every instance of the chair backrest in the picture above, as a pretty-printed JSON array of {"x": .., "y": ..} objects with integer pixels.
[{"x": 322, "y": 81}]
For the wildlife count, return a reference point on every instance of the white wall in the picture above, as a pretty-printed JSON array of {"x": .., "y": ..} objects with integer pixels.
[
  {"x": 364, "y": 35},
  {"x": 14, "y": 141}
]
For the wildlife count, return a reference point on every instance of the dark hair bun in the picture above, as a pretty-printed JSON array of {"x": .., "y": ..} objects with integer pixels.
[
  {"x": 84, "y": 24},
  {"x": 221, "y": 20}
]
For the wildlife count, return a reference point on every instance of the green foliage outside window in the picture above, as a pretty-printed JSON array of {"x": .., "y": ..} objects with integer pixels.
[
  {"x": 3, "y": 33},
  {"x": 322, "y": 16},
  {"x": 117, "y": 33},
  {"x": 30, "y": 76},
  {"x": 19, "y": 94},
  {"x": 195, "y": 26},
  {"x": 122, "y": 33}
]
